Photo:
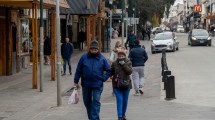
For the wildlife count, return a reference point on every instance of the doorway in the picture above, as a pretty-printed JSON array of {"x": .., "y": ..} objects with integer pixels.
[{"x": 2, "y": 46}]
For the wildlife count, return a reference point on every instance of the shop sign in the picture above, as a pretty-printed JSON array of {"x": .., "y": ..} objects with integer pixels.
[{"x": 197, "y": 8}]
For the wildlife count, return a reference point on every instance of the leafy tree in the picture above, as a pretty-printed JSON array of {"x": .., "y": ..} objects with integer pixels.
[
  {"x": 152, "y": 8},
  {"x": 146, "y": 9}
]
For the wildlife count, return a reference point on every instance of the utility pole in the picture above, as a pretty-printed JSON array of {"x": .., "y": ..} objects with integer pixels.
[
  {"x": 59, "y": 100},
  {"x": 41, "y": 46}
]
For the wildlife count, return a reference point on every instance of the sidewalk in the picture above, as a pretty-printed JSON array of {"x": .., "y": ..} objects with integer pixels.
[{"x": 19, "y": 102}]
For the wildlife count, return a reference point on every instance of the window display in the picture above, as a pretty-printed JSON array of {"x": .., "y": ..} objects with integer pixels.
[{"x": 26, "y": 41}]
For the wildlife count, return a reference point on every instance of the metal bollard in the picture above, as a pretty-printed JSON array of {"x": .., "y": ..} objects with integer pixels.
[
  {"x": 170, "y": 87},
  {"x": 164, "y": 78},
  {"x": 163, "y": 62},
  {"x": 166, "y": 72}
]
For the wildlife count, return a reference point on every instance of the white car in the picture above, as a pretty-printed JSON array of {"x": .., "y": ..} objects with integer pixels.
[
  {"x": 165, "y": 40},
  {"x": 180, "y": 29},
  {"x": 157, "y": 30}
]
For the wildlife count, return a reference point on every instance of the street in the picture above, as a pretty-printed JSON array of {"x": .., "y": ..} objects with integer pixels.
[
  {"x": 194, "y": 70},
  {"x": 192, "y": 67}
]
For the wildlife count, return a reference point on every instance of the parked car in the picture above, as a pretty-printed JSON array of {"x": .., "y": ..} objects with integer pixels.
[
  {"x": 165, "y": 40},
  {"x": 180, "y": 28},
  {"x": 157, "y": 30},
  {"x": 199, "y": 37}
]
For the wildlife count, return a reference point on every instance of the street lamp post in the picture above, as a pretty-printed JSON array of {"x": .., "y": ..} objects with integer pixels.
[
  {"x": 133, "y": 20},
  {"x": 110, "y": 29},
  {"x": 123, "y": 32},
  {"x": 41, "y": 46},
  {"x": 210, "y": 6},
  {"x": 59, "y": 100},
  {"x": 126, "y": 34}
]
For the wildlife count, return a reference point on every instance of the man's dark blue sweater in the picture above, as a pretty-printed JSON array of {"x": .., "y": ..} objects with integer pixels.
[
  {"x": 66, "y": 50},
  {"x": 138, "y": 56}
]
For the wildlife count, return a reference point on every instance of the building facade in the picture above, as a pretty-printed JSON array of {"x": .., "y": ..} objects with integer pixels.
[{"x": 19, "y": 32}]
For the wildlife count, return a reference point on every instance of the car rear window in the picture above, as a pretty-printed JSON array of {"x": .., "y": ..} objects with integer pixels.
[{"x": 163, "y": 36}]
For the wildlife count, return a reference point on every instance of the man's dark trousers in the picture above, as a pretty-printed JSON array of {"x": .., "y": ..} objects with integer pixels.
[
  {"x": 81, "y": 45},
  {"x": 67, "y": 61},
  {"x": 91, "y": 98}
]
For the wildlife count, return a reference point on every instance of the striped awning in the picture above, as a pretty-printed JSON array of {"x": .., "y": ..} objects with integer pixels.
[{"x": 82, "y": 7}]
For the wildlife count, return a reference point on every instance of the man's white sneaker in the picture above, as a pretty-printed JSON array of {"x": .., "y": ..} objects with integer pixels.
[
  {"x": 137, "y": 93},
  {"x": 141, "y": 91}
]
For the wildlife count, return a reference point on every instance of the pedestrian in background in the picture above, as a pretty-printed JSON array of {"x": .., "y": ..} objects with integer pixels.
[
  {"x": 114, "y": 53},
  {"x": 130, "y": 40},
  {"x": 66, "y": 53},
  {"x": 115, "y": 34},
  {"x": 143, "y": 33},
  {"x": 47, "y": 50},
  {"x": 110, "y": 32},
  {"x": 138, "y": 57},
  {"x": 93, "y": 69},
  {"x": 81, "y": 39},
  {"x": 149, "y": 33},
  {"x": 121, "y": 69}
]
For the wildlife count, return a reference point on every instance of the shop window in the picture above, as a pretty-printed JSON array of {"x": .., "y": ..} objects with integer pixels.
[{"x": 26, "y": 41}]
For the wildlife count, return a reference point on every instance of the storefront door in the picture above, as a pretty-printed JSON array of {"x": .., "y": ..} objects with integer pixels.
[{"x": 2, "y": 46}]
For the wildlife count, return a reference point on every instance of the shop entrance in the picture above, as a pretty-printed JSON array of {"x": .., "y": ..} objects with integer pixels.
[{"x": 2, "y": 46}]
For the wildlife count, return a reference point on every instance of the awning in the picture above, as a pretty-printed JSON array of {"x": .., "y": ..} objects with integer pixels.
[
  {"x": 210, "y": 16},
  {"x": 28, "y": 3},
  {"x": 82, "y": 7}
]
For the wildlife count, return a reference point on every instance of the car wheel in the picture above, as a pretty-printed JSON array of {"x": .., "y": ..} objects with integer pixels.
[
  {"x": 188, "y": 43},
  {"x": 153, "y": 52},
  {"x": 177, "y": 48},
  {"x": 191, "y": 44},
  {"x": 173, "y": 50},
  {"x": 209, "y": 44}
]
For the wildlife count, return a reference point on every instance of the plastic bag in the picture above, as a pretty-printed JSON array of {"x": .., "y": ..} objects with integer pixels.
[
  {"x": 73, "y": 99},
  {"x": 112, "y": 57}
]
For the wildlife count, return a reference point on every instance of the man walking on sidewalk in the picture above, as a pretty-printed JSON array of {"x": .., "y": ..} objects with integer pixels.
[
  {"x": 66, "y": 53},
  {"x": 81, "y": 39},
  {"x": 138, "y": 57},
  {"x": 130, "y": 40},
  {"x": 90, "y": 69}
]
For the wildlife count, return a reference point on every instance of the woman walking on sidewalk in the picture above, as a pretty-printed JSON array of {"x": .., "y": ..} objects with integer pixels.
[
  {"x": 121, "y": 70},
  {"x": 114, "y": 54}
]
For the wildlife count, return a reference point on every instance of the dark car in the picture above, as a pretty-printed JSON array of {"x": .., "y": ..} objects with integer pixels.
[{"x": 199, "y": 37}]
